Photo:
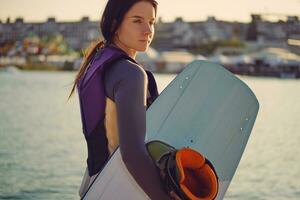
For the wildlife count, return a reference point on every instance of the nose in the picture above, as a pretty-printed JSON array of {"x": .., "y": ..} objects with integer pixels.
[{"x": 148, "y": 29}]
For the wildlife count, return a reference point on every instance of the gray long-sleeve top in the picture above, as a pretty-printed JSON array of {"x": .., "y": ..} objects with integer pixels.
[{"x": 125, "y": 83}]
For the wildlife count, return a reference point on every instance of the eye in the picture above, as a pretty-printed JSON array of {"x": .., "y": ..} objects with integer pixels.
[{"x": 137, "y": 21}]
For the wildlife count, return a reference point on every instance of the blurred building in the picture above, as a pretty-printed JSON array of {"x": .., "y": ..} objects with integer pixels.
[
  {"x": 182, "y": 34},
  {"x": 170, "y": 35},
  {"x": 77, "y": 34},
  {"x": 266, "y": 33}
]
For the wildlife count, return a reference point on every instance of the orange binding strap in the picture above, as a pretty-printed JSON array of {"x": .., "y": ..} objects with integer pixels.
[{"x": 196, "y": 178}]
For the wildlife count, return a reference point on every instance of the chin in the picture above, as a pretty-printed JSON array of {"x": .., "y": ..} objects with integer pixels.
[{"x": 142, "y": 48}]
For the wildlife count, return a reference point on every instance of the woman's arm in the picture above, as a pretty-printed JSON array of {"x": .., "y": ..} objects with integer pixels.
[{"x": 126, "y": 83}]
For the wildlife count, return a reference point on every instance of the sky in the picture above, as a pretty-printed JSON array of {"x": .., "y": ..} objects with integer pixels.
[{"x": 189, "y": 10}]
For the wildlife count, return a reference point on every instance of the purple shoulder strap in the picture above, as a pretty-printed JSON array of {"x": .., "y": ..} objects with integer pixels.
[{"x": 91, "y": 88}]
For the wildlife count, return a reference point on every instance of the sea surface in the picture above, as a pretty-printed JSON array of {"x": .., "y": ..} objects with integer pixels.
[{"x": 43, "y": 152}]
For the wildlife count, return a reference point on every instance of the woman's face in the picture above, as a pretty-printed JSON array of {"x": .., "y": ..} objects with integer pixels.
[{"x": 137, "y": 28}]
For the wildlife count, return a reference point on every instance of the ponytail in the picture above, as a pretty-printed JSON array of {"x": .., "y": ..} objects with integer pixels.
[{"x": 87, "y": 57}]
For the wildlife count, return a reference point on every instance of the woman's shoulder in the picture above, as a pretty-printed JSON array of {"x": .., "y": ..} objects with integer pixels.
[
  {"x": 127, "y": 69},
  {"x": 124, "y": 74}
]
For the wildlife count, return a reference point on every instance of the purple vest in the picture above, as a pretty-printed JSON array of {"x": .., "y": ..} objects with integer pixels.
[{"x": 92, "y": 101}]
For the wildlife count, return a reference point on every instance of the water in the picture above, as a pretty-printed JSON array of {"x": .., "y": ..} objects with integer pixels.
[{"x": 42, "y": 150}]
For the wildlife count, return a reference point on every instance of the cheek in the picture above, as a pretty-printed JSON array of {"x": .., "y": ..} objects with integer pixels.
[{"x": 128, "y": 33}]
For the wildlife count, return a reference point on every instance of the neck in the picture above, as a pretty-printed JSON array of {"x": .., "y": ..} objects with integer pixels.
[{"x": 130, "y": 52}]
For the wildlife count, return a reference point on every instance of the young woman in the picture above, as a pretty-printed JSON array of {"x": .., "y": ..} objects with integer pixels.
[{"x": 127, "y": 27}]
